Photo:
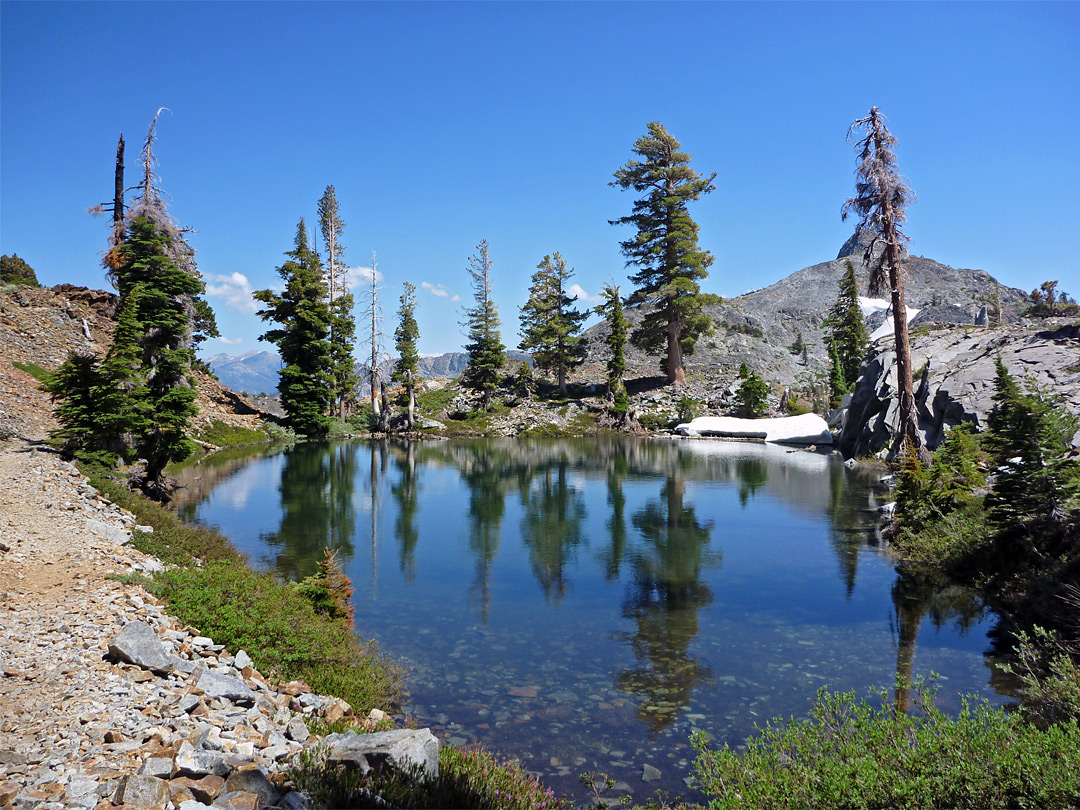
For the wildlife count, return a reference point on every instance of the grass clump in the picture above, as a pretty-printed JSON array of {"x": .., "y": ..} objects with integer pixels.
[
  {"x": 223, "y": 434},
  {"x": 33, "y": 369},
  {"x": 468, "y": 778},
  {"x": 850, "y": 753},
  {"x": 281, "y": 629}
]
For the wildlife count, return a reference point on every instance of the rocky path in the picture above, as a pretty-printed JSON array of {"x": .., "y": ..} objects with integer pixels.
[{"x": 188, "y": 724}]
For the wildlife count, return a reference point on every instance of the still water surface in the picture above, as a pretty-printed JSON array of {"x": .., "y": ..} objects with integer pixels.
[{"x": 588, "y": 604}]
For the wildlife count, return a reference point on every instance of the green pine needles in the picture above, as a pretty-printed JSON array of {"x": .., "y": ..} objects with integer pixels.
[
  {"x": 665, "y": 249},
  {"x": 550, "y": 326},
  {"x": 485, "y": 350},
  {"x": 303, "y": 316}
]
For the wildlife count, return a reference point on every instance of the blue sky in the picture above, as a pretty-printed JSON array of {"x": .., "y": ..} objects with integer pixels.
[{"x": 444, "y": 124}]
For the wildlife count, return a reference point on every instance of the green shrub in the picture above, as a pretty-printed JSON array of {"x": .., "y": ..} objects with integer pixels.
[
  {"x": 14, "y": 270},
  {"x": 467, "y": 779},
  {"x": 1049, "y": 675},
  {"x": 172, "y": 541},
  {"x": 281, "y": 629},
  {"x": 687, "y": 408},
  {"x": 850, "y": 753},
  {"x": 656, "y": 421}
]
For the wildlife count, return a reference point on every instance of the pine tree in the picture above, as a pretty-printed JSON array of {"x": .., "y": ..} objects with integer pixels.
[
  {"x": 342, "y": 320},
  {"x": 140, "y": 400},
  {"x": 407, "y": 368},
  {"x": 665, "y": 249},
  {"x": 302, "y": 337},
  {"x": 485, "y": 351},
  {"x": 752, "y": 394},
  {"x": 881, "y": 197},
  {"x": 1037, "y": 485},
  {"x": 550, "y": 326},
  {"x": 847, "y": 337},
  {"x": 611, "y": 309}
]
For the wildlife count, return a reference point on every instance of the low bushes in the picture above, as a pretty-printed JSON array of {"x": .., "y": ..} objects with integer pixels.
[
  {"x": 281, "y": 629},
  {"x": 468, "y": 778},
  {"x": 276, "y": 622},
  {"x": 850, "y": 753}
]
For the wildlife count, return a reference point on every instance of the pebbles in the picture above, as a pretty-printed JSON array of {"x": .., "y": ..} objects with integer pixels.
[{"x": 106, "y": 698}]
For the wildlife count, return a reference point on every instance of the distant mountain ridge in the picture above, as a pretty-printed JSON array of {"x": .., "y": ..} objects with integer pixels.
[{"x": 256, "y": 372}]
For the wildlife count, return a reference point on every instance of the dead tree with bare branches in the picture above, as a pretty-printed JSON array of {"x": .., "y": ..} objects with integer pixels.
[{"x": 881, "y": 199}]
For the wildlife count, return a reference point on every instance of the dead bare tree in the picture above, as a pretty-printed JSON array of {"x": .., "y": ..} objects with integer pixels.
[
  {"x": 880, "y": 201},
  {"x": 371, "y": 311}
]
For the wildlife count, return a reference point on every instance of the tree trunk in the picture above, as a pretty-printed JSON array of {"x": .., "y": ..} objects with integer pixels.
[
  {"x": 118, "y": 193},
  {"x": 676, "y": 373},
  {"x": 412, "y": 398},
  {"x": 907, "y": 429}
]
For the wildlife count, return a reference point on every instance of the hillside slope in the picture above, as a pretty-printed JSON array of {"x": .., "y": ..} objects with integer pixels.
[
  {"x": 760, "y": 326},
  {"x": 39, "y": 326}
]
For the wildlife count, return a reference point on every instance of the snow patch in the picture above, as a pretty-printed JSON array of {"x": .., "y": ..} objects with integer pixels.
[
  {"x": 886, "y": 327},
  {"x": 807, "y": 428}
]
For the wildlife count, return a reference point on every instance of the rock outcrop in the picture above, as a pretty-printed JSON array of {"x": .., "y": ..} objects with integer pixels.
[{"x": 954, "y": 370}]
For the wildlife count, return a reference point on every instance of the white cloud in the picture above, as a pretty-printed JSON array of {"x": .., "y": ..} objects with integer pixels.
[
  {"x": 356, "y": 277},
  {"x": 235, "y": 289},
  {"x": 439, "y": 291},
  {"x": 231, "y": 341},
  {"x": 578, "y": 292}
]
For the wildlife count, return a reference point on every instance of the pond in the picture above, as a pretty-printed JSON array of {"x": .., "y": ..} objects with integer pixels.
[{"x": 586, "y": 605}]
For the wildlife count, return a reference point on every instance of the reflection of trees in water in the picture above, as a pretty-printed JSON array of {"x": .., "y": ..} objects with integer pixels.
[
  {"x": 316, "y": 492},
  {"x": 551, "y": 526},
  {"x": 197, "y": 482},
  {"x": 488, "y": 476},
  {"x": 751, "y": 474},
  {"x": 663, "y": 599},
  {"x": 406, "y": 494},
  {"x": 914, "y": 597},
  {"x": 611, "y": 557}
]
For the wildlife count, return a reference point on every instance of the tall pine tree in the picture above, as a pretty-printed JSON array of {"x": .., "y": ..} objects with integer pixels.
[
  {"x": 665, "y": 249},
  {"x": 550, "y": 326},
  {"x": 407, "y": 367},
  {"x": 303, "y": 316},
  {"x": 880, "y": 201},
  {"x": 342, "y": 320},
  {"x": 847, "y": 337},
  {"x": 485, "y": 351},
  {"x": 611, "y": 309}
]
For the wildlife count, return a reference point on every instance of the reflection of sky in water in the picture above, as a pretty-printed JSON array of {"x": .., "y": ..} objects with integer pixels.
[{"x": 587, "y": 605}]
